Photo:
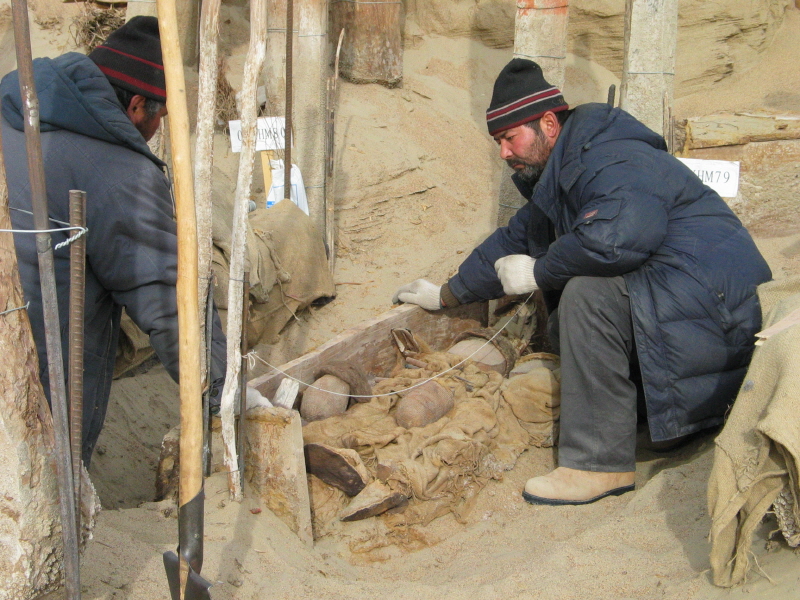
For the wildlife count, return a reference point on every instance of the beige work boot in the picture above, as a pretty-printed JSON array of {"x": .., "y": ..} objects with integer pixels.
[{"x": 571, "y": 486}]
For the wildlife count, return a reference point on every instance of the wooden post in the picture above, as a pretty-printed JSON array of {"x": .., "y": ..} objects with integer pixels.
[
  {"x": 374, "y": 49},
  {"x": 204, "y": 158},
  {"x": 310, "y": 73},
  {"x": 541, "y": 36},
  {"x": 252, "y": 67},
  {"x": 29, "y": 509},
  {"x": 648, "y": 72}
]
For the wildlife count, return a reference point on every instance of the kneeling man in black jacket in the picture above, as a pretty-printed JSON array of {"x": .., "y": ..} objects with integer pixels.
[{"x": 646, "y": 271}]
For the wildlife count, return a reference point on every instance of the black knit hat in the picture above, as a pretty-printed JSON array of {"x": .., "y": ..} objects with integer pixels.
[
  {"x": 131, "y": 58},
  {"x": 521, "y": 94}
]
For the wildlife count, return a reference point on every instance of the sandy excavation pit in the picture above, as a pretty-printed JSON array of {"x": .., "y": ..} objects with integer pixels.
[{"x": 418, "y": 186}]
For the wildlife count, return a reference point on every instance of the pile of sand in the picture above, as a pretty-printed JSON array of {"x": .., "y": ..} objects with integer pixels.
[{"x": 417, "y": 188}]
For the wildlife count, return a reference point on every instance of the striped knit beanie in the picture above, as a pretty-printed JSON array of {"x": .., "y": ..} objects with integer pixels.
[
  {"x": 131, "y": 58},
  {"x": 521, "y": 94}
]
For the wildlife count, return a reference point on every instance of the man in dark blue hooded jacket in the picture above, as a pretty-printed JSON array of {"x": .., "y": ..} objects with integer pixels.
[
  {"x": 97, "y": 113},
  {"x": 647, "y": 272}
]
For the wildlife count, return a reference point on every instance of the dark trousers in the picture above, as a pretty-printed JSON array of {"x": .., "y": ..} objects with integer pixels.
[{"x": 593, "y": 333}]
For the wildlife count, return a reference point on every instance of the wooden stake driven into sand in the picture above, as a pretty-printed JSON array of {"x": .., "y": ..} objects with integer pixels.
[
  {"x": 648, "y": 71},
  {"x": 540, "y": 35},
  {"x": 44, "y": 248},
  {"x": 204, "y": 155},
  {"x": 183, "y": 571},
  {"x": 252, "y": 68}
]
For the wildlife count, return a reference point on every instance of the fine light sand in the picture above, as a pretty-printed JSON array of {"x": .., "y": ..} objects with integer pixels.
[{"x": 417, "y": 189}]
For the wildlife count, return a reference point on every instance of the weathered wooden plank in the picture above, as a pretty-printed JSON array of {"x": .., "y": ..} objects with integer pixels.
[
  {"x": 540, "y": 34},
  {"x": 370, "y": 344},
  {"x": 648, "y": 71},
  {"x": 733, "y": 129},
  {"x": 373, "y": 48},
  {"x": 276, "y": 468}
]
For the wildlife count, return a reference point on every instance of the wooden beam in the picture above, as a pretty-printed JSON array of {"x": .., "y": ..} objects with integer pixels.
[
  {"x": 712, "y": 131},
  {"x": 373, "y": 52},
  {"x": 541, "y": 36},
  {"x": 648, "y": 72},
  {"x": 370, "y": 344}
]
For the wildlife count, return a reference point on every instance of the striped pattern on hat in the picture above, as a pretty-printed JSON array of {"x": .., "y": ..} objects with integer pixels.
[
  {"x": 521, "y": 94},
  {"x": 131, "y": 58}
]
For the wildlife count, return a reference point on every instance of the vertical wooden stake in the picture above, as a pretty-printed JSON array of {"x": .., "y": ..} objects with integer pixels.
[
  {"x": 204, "y": 159},
  {"x": 252, "y": 68},
  {"x": 648, "y": 71},
  {"x": 541, "y": 35}
]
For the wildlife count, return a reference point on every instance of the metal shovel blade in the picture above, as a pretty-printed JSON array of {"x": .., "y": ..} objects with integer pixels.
[{"x": 196, "y": 586}]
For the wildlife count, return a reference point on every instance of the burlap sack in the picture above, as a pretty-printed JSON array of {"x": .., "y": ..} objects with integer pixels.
[
  {"x": 756, "y": 455},
  {"x": 287, "y": 262},
  {"x": 535, "y": 399},
  {"x": 443, "y": 465}
]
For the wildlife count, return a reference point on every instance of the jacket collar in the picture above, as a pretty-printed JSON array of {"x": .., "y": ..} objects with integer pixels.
[{"x": 564, "y": 166}]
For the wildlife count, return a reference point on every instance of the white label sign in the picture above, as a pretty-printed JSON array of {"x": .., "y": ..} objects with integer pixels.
[
  {"x": 722, "y": 176},
  {"x": 271, "y": 134}
]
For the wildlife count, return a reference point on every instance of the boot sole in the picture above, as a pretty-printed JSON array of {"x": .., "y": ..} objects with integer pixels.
[{"x": 531, "y": 499}]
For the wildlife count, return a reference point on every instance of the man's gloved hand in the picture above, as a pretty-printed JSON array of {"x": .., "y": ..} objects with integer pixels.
[
  {"x": 516, "y": 274},
  {"x": 420, "y": 292}
]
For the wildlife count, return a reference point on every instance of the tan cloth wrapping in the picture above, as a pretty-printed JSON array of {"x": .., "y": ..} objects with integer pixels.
[
  {"x": 443, "y": 465},
  {"x": 756, "y": 455},
  {"x": 535, "y": 399},
  {"x": 287, "y": 265},
  {"x": 133, "y": 347}
]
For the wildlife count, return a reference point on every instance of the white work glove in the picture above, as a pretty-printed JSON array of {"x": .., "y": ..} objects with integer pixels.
[
  {"x": 420, "y": 292},
  {"x": 516, "y": 274},
  {"x": 254, "y": 398}
]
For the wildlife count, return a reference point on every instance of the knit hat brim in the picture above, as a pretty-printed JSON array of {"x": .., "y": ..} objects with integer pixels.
[{"x": 521, "y": 95}]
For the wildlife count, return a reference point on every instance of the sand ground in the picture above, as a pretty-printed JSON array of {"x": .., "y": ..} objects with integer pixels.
[{"x": 417, "y": 189}]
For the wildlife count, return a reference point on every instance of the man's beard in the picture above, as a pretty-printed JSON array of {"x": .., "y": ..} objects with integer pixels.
[
  {"x": 530, "y": 173},
  {"x": 533, "y": 164}
]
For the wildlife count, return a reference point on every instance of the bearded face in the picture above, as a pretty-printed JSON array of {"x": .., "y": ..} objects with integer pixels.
[{"x": 529, "y": 159}]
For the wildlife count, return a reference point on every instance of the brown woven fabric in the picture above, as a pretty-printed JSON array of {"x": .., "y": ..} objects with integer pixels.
[
  {"x": 757, "y": 455},
  {"x": 442, "y": 466}
]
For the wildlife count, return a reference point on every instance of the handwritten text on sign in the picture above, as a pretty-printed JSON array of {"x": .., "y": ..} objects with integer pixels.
[
  {"x": 722, "y": 176},
  {"x": 271, "y": 134}
]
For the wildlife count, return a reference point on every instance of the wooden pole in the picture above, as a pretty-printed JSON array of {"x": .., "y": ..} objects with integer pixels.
[
  {"x": 648, "y": 71},
  {"x": 30, "y": 512},
  {"x": 374, "y": 49},
  {"x": 541, "y": 36},
  {"x": 330, "y": 132},
  {"x": 310, "y": 72},
  {"x": 204, "y": 159},
  {"x": 252, "y": 68},
  {"x": 287, "y": 153},
  {"x": 52, "y": 324},
  {"x": 190, "y": 529}
]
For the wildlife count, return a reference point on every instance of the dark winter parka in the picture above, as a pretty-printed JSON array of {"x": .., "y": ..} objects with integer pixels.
[
  {"x": 611, "y": 202},
  {"x": 90, "y": 144}
]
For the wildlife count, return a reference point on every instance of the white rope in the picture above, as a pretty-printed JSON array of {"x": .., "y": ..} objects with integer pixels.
[{"x": 253, "y": 354}]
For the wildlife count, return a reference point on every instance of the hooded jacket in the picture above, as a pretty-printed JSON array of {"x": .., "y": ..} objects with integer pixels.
[
  {"x": 90, "y": 144},
  {"x": 612, "y": 202}
]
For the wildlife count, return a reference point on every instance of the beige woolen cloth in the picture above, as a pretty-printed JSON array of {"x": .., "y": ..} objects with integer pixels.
[
  {"x": 286, "y": 262},
  {"x": 287, "y": 267},
  {"x": 443, "y": 465},
  {"x": 756, "y": 455}
]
